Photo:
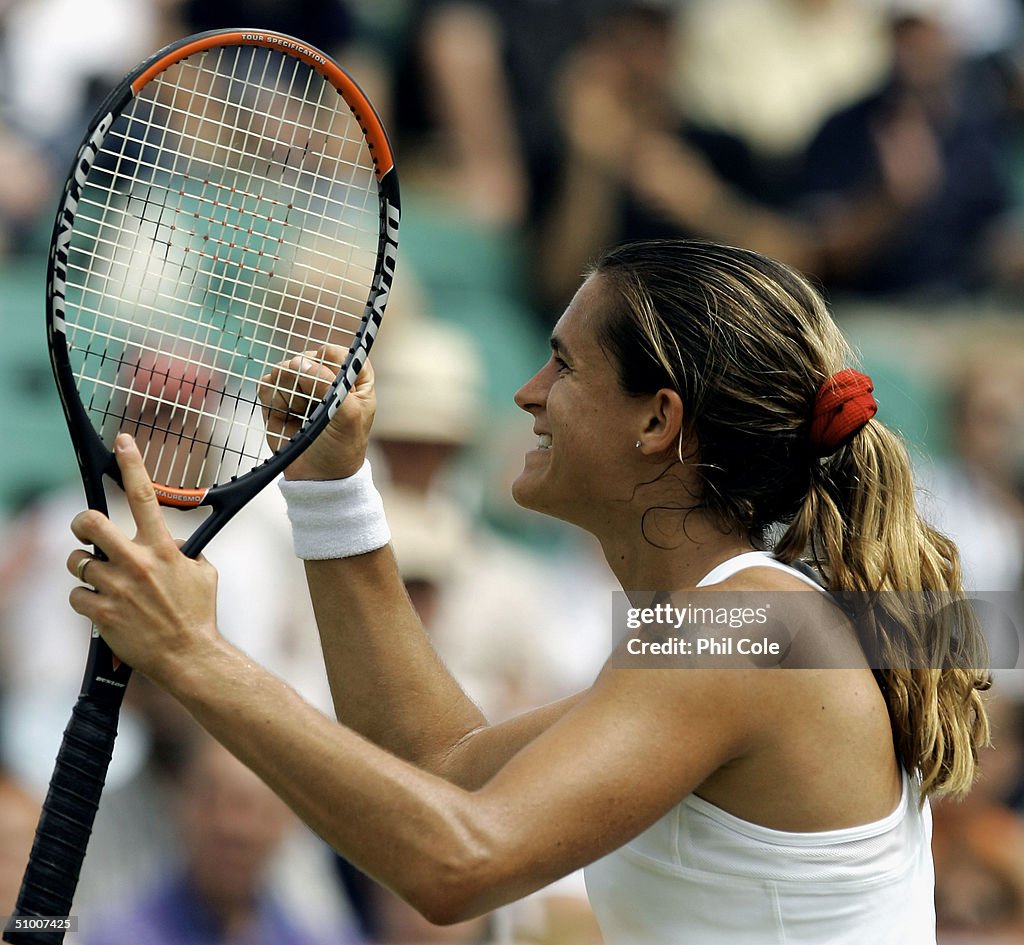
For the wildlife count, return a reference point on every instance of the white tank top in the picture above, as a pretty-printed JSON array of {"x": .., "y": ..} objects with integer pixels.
[{"x": 701, "y": 876}]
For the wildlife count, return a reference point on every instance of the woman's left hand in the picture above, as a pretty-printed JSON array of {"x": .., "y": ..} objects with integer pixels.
[{"x": 155, "y": 607}]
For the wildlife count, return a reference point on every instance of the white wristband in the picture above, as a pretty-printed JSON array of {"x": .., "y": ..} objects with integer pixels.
[{"x": 335, "y": 518}]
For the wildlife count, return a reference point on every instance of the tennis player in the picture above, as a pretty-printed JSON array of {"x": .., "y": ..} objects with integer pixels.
[{"x": 699, "y": 416}]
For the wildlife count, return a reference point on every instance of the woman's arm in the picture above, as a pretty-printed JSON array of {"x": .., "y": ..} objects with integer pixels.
[
  {"x": 615, "y": 761},
  {"x": 612, "y": 765},
  {"x": 387, "y": 682},
  {"x": 390, "y": 686}
]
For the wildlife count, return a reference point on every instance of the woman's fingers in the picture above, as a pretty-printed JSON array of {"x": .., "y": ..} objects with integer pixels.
[
  {"x": 138, "y": 488},
  {"x": 290, "y": 391},
  {"x": 290, "y": 388},
  {"x": 84, "y": 566}
]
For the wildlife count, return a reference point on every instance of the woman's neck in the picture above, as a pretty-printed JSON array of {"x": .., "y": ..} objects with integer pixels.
[{"x": 641, "y": 561}]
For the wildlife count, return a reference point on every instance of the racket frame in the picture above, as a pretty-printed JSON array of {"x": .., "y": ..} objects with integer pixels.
[{"x": 48, "y": 887}]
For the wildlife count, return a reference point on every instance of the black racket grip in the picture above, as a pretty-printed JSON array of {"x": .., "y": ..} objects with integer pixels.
[{"x": 65, "y": 823}]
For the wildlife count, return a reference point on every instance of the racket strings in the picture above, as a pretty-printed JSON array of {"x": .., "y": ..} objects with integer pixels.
[
  {"x": 232, "y": 195},
  {"x": 230, "y": 223}
]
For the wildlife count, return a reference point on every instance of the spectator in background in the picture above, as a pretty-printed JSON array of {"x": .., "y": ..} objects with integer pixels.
[
  {"x": 231, "y": 825},
  {"x": 459, "y": 49},
  {"x": 906, "y": 189},
  {"x": 27, "y": 183},
  {"x": 636, "y": 166},
  {"x": 61, "y": 57},
  {"x": 19, "y": 811},
  {"x": 474, "y": 108},
  {"x": 978, "y": 844},
  {"x": 768, "y": 72},
  {"x": 909, "y": 185},
  {"x": 976, "y": 496},
  {"x": 327, "y": 23},
  {"x": 982, "y": 28}
]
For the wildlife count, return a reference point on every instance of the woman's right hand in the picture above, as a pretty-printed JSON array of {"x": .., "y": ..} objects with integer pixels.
[{"x": 286, "y": 394}]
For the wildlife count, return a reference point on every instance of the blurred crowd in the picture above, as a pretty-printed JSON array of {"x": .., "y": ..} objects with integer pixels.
[{"x": 877, "y": 145}]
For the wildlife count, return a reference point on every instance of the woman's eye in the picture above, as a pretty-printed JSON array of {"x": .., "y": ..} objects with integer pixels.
[{"x": 560, "y": 364}]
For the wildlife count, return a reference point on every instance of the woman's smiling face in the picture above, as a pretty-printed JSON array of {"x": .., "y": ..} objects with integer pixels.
[{"x": 586, "y": 425}]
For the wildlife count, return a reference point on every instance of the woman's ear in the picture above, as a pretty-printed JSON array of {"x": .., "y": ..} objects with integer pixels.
[{"x": 663, "y": 422}]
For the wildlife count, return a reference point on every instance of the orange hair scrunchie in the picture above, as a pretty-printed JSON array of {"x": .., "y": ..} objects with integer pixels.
[{"x": 843, "y": 406}]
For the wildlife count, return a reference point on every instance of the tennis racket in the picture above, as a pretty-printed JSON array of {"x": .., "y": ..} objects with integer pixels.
[{"x": 234, "y": 204}]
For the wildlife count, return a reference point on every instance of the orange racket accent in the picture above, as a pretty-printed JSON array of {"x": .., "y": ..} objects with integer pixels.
[
  {"x": 179, "y": 498},
  {"x": 353, "y": 95}
]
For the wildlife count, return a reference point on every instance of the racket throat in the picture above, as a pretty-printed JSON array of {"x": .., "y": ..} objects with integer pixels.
[{"x": 106, "y": 676}]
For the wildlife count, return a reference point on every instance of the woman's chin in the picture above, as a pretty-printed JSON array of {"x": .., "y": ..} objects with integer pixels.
[
  {"x": 521, "y": 492},
  {"x": 527, "y": 492}
]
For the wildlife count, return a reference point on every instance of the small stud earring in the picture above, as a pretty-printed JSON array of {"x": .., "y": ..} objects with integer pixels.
[{"x": 638, "y": 444}]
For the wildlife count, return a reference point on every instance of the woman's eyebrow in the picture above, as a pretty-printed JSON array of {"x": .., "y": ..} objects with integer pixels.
[{"x": 558, "y": 347}]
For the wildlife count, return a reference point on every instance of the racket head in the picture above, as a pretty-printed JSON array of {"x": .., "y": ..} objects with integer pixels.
[{"x": 234, "y": 203}]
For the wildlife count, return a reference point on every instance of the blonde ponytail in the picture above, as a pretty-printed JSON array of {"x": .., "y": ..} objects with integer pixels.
[{"x": 861, "y": 526}]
